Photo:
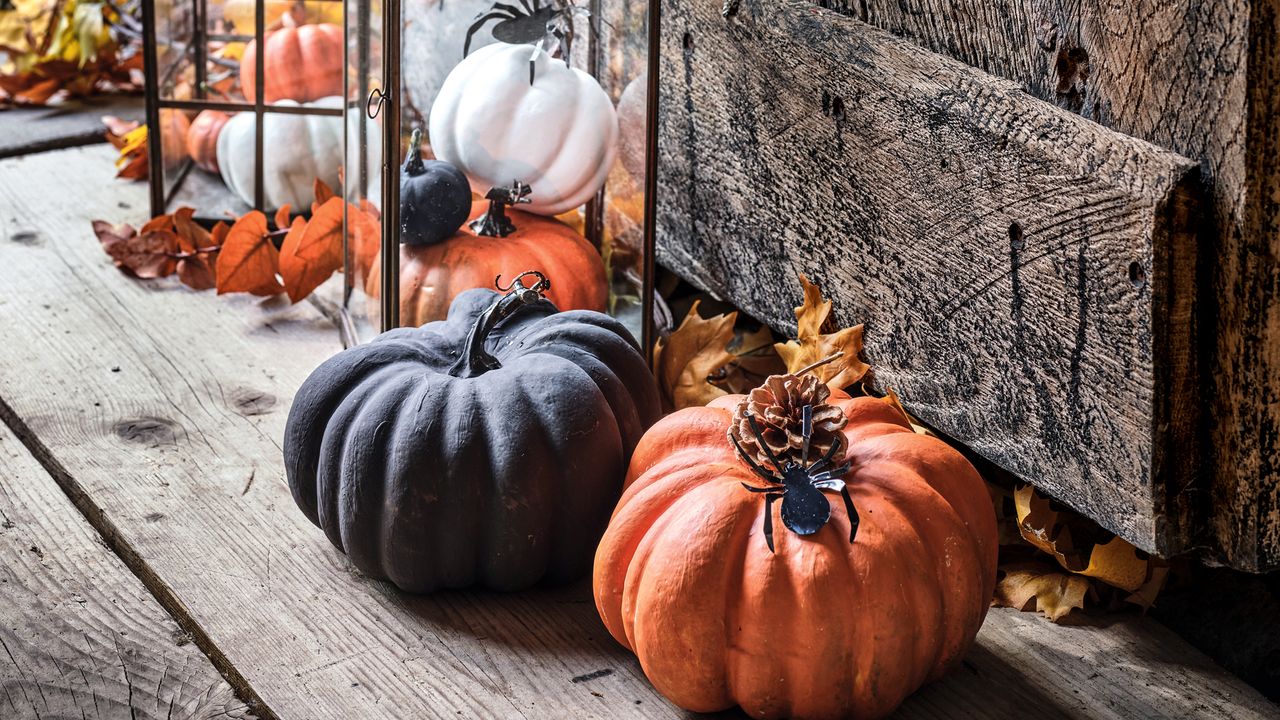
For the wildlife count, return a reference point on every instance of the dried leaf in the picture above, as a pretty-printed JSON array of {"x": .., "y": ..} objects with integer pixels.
[
  {"x": 754, "y": 360},
  {"x": 197, "y": 271},
  {"x": 112, "y": 235},
  {"x": 282, "y": 216},
  {"x": 117, "y": 128},
  {"x": 248, "y": 261},
  {"x": 312, "y": 251},
  {"x": 817, "y": 340},
  {"x": 191, "y": 237},
  {"x": 692, "y": 353},
  {"x": 1036, "y": 585},
  {"x": 322, "y": 192},
  {"x": 1117, "y": 564}
]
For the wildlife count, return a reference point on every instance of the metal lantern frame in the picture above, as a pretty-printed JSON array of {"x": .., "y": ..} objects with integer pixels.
[
  {"x": 386, "y": 100},
  {"x": 195, "y": 50}
]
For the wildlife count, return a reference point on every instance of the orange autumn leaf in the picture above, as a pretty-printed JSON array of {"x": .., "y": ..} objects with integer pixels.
[
  {"x": 323, "y": 194},
  {"x": 191, "y": 237},
  {"x": 248, "y": 261},
  {"x": 282, "y": 216},
  {"x": 312, "y": 251}
]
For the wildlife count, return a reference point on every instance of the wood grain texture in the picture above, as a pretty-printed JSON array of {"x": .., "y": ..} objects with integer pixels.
[
  {"x": 160, "y": 411},
  {"x": 1202, "y": 79},
  {"x": 1017, "y": 267},
  {"x": 26, "y": 130},
  {"x": 80, "y": 636}
]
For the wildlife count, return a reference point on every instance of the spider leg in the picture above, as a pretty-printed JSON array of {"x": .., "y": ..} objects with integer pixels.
[
  {"x": 851, "y": 511},
  {"x": 825, "y": 459},
  {"x": 755, "y": 429},
  {"x": 752, "y": 463},
  {"x": 806, "y": 431},
  {"x": 528, "y": 9},
  {"x": 768, "y": 519},
  {"x": 507, "y": 13}
]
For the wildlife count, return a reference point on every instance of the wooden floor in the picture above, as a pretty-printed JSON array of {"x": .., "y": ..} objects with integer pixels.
[{"x": 154, "y": 564}]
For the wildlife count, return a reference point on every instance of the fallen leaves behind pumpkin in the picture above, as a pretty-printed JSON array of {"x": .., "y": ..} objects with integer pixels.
[
  {"x": 754, "y": 360},
  {"x": 817, "y": 339},
  {"x": 686, "y": 359},
  {"x": 1036, "y": 585},
  {"x": 1073, "y": 547}
]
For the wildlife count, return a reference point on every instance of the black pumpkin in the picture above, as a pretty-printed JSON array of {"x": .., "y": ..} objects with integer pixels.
[
  {"x": 435, "y": 198},
  {"x": 434, "y": 462}
]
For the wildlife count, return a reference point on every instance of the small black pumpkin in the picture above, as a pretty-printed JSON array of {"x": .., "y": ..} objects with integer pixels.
[
  {"x": 435, "y": 197},
  {"x": 436, "y": 462}
]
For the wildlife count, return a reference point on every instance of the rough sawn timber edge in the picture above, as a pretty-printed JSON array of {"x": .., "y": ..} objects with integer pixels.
[{"x": 1025, "y": 275}]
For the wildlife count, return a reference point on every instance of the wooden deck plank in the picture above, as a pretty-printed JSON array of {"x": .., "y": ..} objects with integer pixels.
[
  {"x": 161, "y": 411},
  {"x": 81, "y": 636},
  {"x": 26, "y": 130}
]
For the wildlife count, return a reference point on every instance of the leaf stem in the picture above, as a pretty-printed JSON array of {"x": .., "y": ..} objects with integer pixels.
[{"x": 820, "y": 363}]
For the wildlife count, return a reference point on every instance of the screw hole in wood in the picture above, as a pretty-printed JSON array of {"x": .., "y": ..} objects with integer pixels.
[
  {"x": 687, "y": 41},
  {"x": 1016, "y": 239},
  {"x": 1137, "y": 275}
]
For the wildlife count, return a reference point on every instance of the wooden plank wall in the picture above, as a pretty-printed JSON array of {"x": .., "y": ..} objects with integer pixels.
[
  {"x": 1024, "y": 273},
  {"x": 1201, "y": 78}
]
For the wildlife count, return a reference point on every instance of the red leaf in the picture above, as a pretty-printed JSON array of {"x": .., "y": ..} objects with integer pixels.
[
  {"x": 323, "y": 194},
  {"x": 191, "y": 237},
  {"x": 282, "y": 216},
  {"x": 112, "y": 235},
  {"x": 146, "y": 255},
  {"x": 248, "y": 261},
  {"x": 312, "y": 251},
  {"x": 39, "y": 93},
  {"x": 197, "y": 271},
  {"x": 136, "y": 169}
]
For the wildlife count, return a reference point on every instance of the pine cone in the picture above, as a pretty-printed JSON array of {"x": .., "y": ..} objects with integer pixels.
[{"x": 777, "y": 407}]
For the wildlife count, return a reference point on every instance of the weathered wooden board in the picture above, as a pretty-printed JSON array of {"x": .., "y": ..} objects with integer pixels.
[
  {"x": 1024, "y": 274},
  {"x": 1202, "y": 79},
  {"x": 81, "y": 635},
  {"x": 160, "y": 412},
  {"x": 79, "y": 122}
]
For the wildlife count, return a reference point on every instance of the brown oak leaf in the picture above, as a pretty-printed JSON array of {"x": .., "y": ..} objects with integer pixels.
[
  {"x": 1037, "y": 585},
  {"x": 817, "y": 339},
  {"x": 694, "y": 352},
  {"x": 249, "y": 261}
]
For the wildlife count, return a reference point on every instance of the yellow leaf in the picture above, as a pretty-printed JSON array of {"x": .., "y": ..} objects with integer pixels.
[
  {"x": 1033, "y": 585},
  {"x": 813, "y": 345},
  {"x": 1116, "y": 563},
  {"x": 689, "y": 356}
]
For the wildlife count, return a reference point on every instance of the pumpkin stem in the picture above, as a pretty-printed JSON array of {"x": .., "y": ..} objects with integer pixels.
[
  {"x": 475, "y": 360},
  {"x": 413, "y": 160},
  {"x": 495, "y": 223}
]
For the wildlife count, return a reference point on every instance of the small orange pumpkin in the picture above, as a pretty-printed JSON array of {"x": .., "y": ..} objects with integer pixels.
[
  {"x": 303, "y": 64},
  {"x": 823, "y": 627},
  {"x": 202, "y": 138},
  {"x": 431, "y": 276},
  {"x": 173, "y": 137}
]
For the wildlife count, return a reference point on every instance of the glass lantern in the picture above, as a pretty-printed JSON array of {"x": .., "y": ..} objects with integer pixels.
[
  {"x": 510, "y": 137},
  {"x": 217, "y": 144}
]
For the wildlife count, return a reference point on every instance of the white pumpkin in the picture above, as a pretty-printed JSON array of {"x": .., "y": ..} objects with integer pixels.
[
  {"x": 296, "y": 149},
  {"x": 559, "y": 134}
]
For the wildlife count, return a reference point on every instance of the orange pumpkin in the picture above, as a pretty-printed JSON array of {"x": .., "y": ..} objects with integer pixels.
[
  {"x": 303, "y": 64},
  {"x": 202, "y": 138},
  {"x": 823, "y": 627},
  {"x": 432, "y": 275},
  {"x": 173, "y": 137}
]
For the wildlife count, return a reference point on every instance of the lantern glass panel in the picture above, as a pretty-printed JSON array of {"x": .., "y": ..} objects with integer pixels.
[{"x": 556, "y": 150}]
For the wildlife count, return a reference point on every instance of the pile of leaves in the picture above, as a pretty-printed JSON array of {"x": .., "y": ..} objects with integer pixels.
[
  {"x": 1052, "y": 560},
  {"x": 130, "y": 138},
  {"x": 54, "y": 49},
  {"x": 292, "y": 255}
]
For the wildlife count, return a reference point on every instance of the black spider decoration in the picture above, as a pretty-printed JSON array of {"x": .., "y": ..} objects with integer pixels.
[
  {"x": 799, "y": 485},
  {"x": 548, "y": 26}
]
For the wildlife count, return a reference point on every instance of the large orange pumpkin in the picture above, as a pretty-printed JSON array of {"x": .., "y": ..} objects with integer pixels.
[
  {"x": 431, "y": 276},
  {"x": 303, "y": 64},
  {"x": 823, "y": 627},
  {"x": 202, "y": 138}
]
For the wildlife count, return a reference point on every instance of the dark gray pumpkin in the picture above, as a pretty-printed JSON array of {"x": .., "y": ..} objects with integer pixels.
[{"x": 485, "y": 449}]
